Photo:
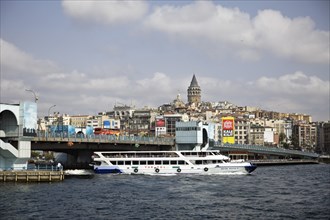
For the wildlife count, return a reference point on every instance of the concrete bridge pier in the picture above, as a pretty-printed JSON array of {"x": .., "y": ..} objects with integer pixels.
[
  {"x": 15, "y": 158},
  {"x": 18, "y": 125}
]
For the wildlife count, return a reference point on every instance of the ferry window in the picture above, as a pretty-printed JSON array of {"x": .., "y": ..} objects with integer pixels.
[
  {"x": 143, "y": 162},
  {"x": 173, "y": 162},
  {"x": 135, "y": 162},
  {"x": 120, "y": 162},
  {"x": 175, "y": 155},
  {"x": 113, "y": 162},
  {"x": 214, "y": 161},
  {"x": 165, "y": 162},
  {"x": 198, "y": 162},
  {"x": 127, "y": 162},
  {"x": 180, "y": 162},
  {"x": 151, "y": 162},
  {"x": 158, "y": 162},
  {"x": 219, "y": 161}
]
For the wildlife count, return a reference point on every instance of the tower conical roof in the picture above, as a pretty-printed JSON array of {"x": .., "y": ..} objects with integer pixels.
[{"x": 194, "y": 82}]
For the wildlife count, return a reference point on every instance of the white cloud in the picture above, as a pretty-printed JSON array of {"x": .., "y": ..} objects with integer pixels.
[
  {"x": 297, "y": 83},
  {"x": 11, "y": 90},
  {"x": 159, "y": 81},
  {"x": 296, "y": 92},
  {"x": 17, "y": 62},
  {"x": 77, "y": 92},
  {"x": 105, "y": 12},
  {"x": 295, "y": 38},
  {"x": 221, "y": 27}
]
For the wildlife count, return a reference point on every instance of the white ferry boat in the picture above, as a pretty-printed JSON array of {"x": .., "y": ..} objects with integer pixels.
[{"x": 168, "y": 162}]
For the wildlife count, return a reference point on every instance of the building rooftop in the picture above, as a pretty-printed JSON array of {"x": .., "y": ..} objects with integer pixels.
[{"x": 194, "y": 82}]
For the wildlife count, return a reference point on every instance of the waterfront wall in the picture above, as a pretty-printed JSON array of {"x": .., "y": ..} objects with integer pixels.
[
  {"x": 31, "y": 176},
  {"x": 282, "y": 162}
]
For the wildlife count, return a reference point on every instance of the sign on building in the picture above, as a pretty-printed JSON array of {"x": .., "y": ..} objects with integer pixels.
[
  {"x": 228, "y": 127},
  {"x": 160, "y": 127}
]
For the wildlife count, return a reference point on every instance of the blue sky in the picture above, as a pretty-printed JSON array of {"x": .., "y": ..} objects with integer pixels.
[{"x": 86, "y": 56}]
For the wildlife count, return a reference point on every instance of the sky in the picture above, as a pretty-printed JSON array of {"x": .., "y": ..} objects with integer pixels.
[{"x": 87, "y": 56}]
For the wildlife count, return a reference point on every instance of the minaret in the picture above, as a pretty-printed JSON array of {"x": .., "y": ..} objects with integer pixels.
[{"x": 194, "y": 92}]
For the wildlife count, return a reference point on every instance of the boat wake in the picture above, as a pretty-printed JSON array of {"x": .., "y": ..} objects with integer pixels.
[
  {"x": 225, "y": 174},
  {"x": 79, "y": 173},
  {"x": 161, "y": 174}
]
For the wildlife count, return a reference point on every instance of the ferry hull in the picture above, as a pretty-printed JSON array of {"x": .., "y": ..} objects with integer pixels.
[
  {"x": 243, "y": 168},
  {"x": 106, "y": 169},
  {"x": 250, "y": 168}
]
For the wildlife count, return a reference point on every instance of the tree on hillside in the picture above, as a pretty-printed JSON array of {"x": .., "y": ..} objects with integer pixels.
[{"x": 282, "y": 137}]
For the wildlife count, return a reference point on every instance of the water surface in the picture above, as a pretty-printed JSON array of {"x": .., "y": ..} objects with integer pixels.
[{"x": 277, "y": 192}]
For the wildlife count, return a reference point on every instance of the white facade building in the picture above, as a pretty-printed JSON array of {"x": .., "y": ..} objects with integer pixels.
[
  {"x": 17, "y": 121},
  {"x": 192, "y": 135},
  {"x": 269, "y": 135}
]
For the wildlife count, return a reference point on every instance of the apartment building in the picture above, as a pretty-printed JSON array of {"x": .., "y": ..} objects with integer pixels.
[
  {"x": 93, "y": 122},
  {"x": 142, "y": 121},
  {"x": 304, "y": 136},
  {"x": 170, "y": 120},
  {"x": 256, "y": 134},
  {"x": 242, "y": 131},
  {"x": 323, "y": 138},
  {"x": 79, "y": 121},
  {"x": 281, "y": 127},
  {"x": 300, "y": 117}
]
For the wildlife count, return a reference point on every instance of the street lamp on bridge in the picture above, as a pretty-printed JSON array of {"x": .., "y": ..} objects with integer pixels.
[
  {"x": 48, "y": 125},
  {"x": 49, "y": 110},
  {"x": 35, "y": 96}
]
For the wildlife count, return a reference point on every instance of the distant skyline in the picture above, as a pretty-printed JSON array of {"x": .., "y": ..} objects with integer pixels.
[{"x": 86, "y": 56}]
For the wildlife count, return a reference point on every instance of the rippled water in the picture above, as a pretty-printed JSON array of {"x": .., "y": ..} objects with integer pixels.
[{"x": 278, "y": 192}]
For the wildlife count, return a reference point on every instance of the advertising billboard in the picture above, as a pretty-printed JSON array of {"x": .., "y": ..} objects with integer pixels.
[
  {"x": 160, "y": 122},
  {"x": 106, "y": 124},
  {"x": 228, "y": 128},
  {"x": 160, "y": 127}
]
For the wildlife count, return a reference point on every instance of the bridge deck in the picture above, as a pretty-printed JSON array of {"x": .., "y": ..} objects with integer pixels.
[
  {"x": 165, "y": 142},
  {"x": 108, "y": 139},
  {"x": 266, "y": 150}
]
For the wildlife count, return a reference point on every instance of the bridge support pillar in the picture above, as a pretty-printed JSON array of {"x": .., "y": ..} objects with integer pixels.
[
  {"x": 24, "y": 154},
  {"x": 12, "y": 158}
]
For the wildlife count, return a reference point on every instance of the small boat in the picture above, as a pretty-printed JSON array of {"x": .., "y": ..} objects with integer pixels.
[{"x": 168, "y": 162}]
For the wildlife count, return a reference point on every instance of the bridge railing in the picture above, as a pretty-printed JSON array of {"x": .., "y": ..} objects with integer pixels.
[
  {"x": 45, "y": 167},
  {"x": 103, "y": 138},
  {"x": 267, "y": 149}
]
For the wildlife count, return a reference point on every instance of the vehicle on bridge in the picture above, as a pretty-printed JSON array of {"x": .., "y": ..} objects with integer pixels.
[
  {"x": 168, "y": 162},
  {"x": 106, "y": 131}
]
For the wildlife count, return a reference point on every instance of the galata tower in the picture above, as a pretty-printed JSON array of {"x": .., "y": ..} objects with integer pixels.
[{"x": 194, "y": 92}]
